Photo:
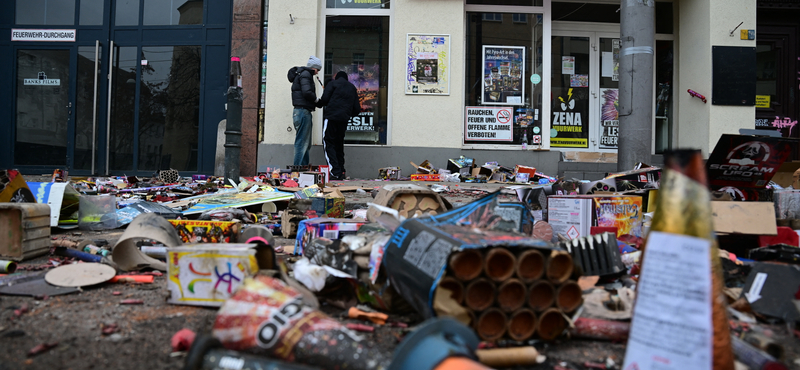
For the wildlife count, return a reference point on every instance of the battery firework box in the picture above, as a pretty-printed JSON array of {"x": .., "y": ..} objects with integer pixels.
[
  {"x": 13, "y": 188},
  {"x": 192, "y": 231},
  {"x": 208, "y": 274},
  {"x": 573, "y": 216},
  {"x": 425, "y": 177},
  {"x": 323, "y": 227},
  {"x": 330, "y": 205},
  {"x": 26, "y": 230}
]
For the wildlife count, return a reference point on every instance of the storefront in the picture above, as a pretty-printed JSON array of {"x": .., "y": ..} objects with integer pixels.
[
  {"x": 121, "y": 87},
  {"x": 513, "y": 81}
]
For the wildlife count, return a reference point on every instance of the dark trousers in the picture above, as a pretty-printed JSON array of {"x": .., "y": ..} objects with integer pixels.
[{"x": 333, "y": 142}]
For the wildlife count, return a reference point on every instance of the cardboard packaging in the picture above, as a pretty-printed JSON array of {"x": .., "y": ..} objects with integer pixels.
[
  {"x": 63, "y": 199},
  {"x": 644, "y": 178},
  {"x": 208, "y": 274},
  {"x": 573, "y": 216},
  {"x": 408, "y": 200},
  {"x": 461, "y": 165},
  {"x": 13, "y": 188},
  {"x": 389, "y": 173},
  {"x": 26, "y": 230},
  {"x": 425, "y": 177},
  {"x": 311, "y": 178},
  {"x": 424, "y": 167},
  {"x": 192, "y": 231},
  {"x": 330, "y": 228},
  {"x": 330, "y": 205}
]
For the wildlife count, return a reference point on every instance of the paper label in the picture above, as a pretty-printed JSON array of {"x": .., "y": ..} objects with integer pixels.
[{"x": 671, "y": 327}]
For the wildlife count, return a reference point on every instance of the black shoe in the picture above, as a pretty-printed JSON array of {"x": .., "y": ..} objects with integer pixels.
[{"x": 336, "y": 178}]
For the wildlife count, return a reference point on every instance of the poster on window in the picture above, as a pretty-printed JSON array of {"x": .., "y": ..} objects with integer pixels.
[
  {"x": 570, "y": 125},
  {"x": 609, "y": 118},
  {"x": 365, "y": 79},
  {"x": 503, "y": 71},
  {"x": 428, "y": 64}
]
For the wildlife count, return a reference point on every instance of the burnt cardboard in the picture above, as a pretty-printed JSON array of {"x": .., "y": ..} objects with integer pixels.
[
  {"x": 754, "y": 218},
  {"x": 770, "y": 289},
  {"x": 744, "y": 161},
  {"x": 785, "y": 174}
]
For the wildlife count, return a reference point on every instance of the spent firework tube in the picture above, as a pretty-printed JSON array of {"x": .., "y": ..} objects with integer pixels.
[
  {"x": 267, "y": 317},
  {"x": 7, "y": 267}
]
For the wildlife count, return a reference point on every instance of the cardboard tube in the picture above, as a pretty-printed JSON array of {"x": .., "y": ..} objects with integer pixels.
[
  {"x": 541, "y": 295},
  {"x": 7, "y": 267},
  {"x": 491, "y": 324},
  {"x": 499, "y": 264},
  {"x": 569, "y": 296},
  {"x": 508, "y": 357},
  {"x": 480, "y": 294},
  {"x": 455, "y": 287},
  {"x": 551, "y": 324},
  {"x": 559, "y": 267},
  {"x": 530, "y": 265},
  {"x": 511, "y": 295},
  {"x": 522, "y": 325},
  {"x": 467, "y": 264},
  {"x": 616, "y": 331}
]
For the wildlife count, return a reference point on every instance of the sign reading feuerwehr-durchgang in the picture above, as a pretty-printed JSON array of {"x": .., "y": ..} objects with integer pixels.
[{"x": 25, "y": 34}]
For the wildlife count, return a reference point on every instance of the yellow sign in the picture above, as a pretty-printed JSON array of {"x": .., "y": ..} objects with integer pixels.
[
  {"x": 762, "y": 101},
  {"x": 569, "y": 142}
]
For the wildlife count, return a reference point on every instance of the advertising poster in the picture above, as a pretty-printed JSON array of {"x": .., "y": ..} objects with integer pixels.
[
  {"x": 746, "y": 161},
  {"x": 366, "y": 81},
  {"x": 570, "y": 124},
  {"x": 567, "y": 65},
  {"x": 609, "y": 118},
  {"x": 615, "y": 50},
  {"x": 503, "y": 71},
  {"x": 427, "y": 67},
  {"x": 489, "y": 124}
]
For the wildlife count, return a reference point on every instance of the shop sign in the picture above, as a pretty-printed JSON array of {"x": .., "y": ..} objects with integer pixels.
[
  {"x": 609, "y": 118},
  {"x": 24, "y": 34},
  {"x": 41, "y": 80},
  {"x": 503, "y": 71},
  {"x": 427, "y": 64},
  {"x": 489, "y": 124},
  {"x": 570, "y": 124}
]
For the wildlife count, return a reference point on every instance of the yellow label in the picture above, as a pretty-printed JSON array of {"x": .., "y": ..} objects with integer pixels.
[
  {"x": 569, "y": 142},
  {"x": 742, "y": 34},
  {"x": 762, "y": 101}
]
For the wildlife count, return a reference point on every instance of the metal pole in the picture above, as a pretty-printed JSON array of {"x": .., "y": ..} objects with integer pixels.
[
  {"x": 637, "y": 31},
  {"x": 233, "y": 128}
]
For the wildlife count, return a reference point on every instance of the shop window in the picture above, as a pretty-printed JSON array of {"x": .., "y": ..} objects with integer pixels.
[
  {"x": 359, "y": 46},
  {"x": 357, "y": 4},
  {"x": 127, "y": 13},
  {"x": 91, "y": 12},
  {"x": 664, "y": 114},
  {"x": 503, "y": 80},
  {"x": 664, "y": 17},
  {"x": 172, "y": 12},
  {"x": 45, "y": 12},
  {"x": 585, "y": 12}
]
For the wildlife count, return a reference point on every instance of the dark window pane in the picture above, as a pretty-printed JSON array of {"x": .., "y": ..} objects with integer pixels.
[
  {"x": 173, "y": 12},
  {"x": 46, "y": 12},
  {"x": 42, "y": 112},
  {"x": 127, "y": 13},
  {"x": 91, "y": 12},
  {"x": 664, "y": 17},
  {"x": 84, "y": 108},
  {"x": 507, "y": 2},
  {"x": 664, "y": 115},
  {"x": 122, "y": 109},
  {"x": 585, "y": 12},
  {"x": 169, "y": 108}
]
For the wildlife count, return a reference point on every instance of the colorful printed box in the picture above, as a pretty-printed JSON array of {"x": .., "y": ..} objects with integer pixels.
[
  {"x": 331, "y": 228},
  {"x": 208, "y": 274},
  {"x": 426, "y": 177},
  {"x": 330, "y": 205},
  {"x": 573, "y": 216},
  {"x": 192, "y": 231}
]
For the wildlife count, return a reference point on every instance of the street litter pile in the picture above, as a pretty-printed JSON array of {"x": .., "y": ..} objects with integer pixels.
[{"x": 701, "y": 256}]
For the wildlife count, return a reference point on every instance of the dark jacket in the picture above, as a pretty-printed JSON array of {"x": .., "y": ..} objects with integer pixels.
[
  {"x": 340, "y": 99},
  {"x": 304, "y": 93}
]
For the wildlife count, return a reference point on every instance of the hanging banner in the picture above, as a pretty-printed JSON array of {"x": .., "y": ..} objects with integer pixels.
[
  {"x": 428, "y": 64},
  {"x": 503, "y": 70},
  {"x": 366, "y": 82},
  {"x": 570, "y": 125},
  {"x": 489, "y": 124},
  {"x": 609, "y": 118}
]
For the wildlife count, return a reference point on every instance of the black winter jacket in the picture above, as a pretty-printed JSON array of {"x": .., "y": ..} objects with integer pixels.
[
  {"x": 304, "y": 93},
  {"x": 340, "y": 100}
]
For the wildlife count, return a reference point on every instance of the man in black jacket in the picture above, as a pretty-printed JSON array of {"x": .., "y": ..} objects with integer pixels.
[
  {"x": 341, "y": 103},
  {"x": 304, "y": 99}
]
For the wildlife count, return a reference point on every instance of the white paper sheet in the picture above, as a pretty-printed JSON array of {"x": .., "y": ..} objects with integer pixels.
[{"x": 608, "y": 64}]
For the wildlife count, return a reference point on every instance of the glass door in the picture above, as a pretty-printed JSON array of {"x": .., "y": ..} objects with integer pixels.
[
  {"x": 571, "y": 99},
  {"x": 44, "y": 107}
]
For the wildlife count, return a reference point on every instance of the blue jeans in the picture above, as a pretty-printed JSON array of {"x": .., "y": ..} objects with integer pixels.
[{"x": 302, "y": 140}]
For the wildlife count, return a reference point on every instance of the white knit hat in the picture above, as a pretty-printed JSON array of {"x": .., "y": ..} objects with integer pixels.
[{"x": 314, "y": 62}]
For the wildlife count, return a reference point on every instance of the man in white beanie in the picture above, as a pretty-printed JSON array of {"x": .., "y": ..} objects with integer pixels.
[{"x": 304, "y": 99}]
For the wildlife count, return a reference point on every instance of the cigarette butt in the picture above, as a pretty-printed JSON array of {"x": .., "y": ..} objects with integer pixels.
[
  {"x": 142, "y": 279},
  {"x": 507, "y": 357},
  {"x": 375, "y": 317}
]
